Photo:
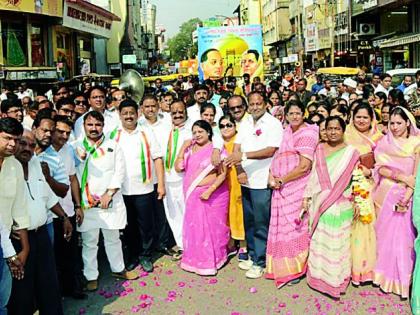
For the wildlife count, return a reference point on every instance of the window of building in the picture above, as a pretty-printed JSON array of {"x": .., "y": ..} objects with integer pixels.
[
  {"x": 37, "y": 45},
  {"x": 14, "y": 40}
]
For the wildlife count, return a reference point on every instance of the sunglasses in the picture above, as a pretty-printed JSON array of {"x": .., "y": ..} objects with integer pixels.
[
  {"x": 233, "y": 108},
  {"x": 80, "y": 103},
  {"x": 223, "y": 126},
  {"x": 118, "y": 99}
]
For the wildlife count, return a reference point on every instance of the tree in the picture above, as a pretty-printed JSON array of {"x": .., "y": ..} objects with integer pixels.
[{"x": 181, "y": 45}]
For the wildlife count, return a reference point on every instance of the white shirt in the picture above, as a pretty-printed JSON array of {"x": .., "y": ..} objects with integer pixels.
[
  {"x": 112, "y": 121},
  {"x": 104, "y": 172},
  {"x": 67, "y": 156},
  {"x": 159, "y": 128},
  {"x": 267, "y": 132},
  {"x": 194, "y": 113},
  {"x": 40, "y": 196},
  {"x": 13, "y": 201},
  {"x": 331, "y": 93},
  {"x": 131, "y": 144},
  {"x": 380, "y": 88},
  {"x": 27, "y": 122},
  {"x": 6, "y": 243},
  {"x": 21, "y": 95}
]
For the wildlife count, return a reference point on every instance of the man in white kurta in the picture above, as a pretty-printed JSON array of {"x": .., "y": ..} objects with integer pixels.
[
  {"x": 101, "y": 172},
  {"x": 174, "y": 199}
]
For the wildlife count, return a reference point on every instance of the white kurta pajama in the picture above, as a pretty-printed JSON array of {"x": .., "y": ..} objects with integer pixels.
[
  {"x": 174, "y": 199},
  {"x": 106, "y": 171}
]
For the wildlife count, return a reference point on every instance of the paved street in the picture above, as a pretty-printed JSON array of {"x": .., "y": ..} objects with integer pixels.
[{"x": 169, "y": 290}]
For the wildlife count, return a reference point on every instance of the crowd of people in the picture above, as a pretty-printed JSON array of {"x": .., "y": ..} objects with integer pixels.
[{"x": 297, "y": 178}]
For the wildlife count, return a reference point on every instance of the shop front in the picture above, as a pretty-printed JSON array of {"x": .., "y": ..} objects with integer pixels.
[
  {"x": 75, "y": 51},
  {"x": 25, "y": 50}
]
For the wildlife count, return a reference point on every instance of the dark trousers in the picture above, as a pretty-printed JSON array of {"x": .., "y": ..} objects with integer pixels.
[
  {"x": 139, "y": 233},
  {"x": 257, "y": 205},
  {"x": 39, "y": 288},
  {"x": 163, "y": 233},
  {"x": 68, "y": 258}
]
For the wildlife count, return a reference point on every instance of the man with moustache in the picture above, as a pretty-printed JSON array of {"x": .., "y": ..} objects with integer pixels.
[
  {"x": 66, "y": 252},
  {"x": 39, "y": 285},
  {"x": 201, "y": 94},
  {"x": 159, "y": 124},
  {"x": 65, "y": 107},
  {"x": 51, "y": 163},
  {"x": 258, "y": 138},
  {"x": 143, "y": 189},
  {"x": 237, "y": 108},
  {"x": 174, "y": 199},
  {"x": 117, "y": 96},
  {"x": 14, "y": 211},
  {"x": 96, "y": 99},
  {"x": 101, "y": 172}
]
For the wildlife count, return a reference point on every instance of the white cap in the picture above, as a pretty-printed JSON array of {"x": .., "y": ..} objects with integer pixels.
[{"x": 350, "y": 82}]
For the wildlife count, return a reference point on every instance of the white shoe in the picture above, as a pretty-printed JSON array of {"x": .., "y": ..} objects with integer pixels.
[
  {"x": 245, "y": 265},
  {"x": 255, "y": 272}
]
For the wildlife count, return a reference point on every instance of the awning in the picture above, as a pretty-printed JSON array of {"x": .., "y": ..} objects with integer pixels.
[
  {"x": 401, "y": 40},
  {"x": 96, "y": 9}
]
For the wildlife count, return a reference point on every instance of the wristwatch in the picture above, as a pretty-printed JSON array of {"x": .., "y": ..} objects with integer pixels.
[
  {"x": 244, "y": 157},
  {"x": 63, "y": 217},
  {"x": 12, "y": 259}
]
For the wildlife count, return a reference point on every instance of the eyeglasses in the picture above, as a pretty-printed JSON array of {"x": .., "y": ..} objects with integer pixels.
[
  {"x": 14, "y": 111},
  {"x": 80, "y": 103},
  {"x": 118, "y": 99},
  {"x": 223, "y": 126}
]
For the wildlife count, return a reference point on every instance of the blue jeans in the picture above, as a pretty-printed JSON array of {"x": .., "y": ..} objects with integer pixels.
[
  {"x": 5, "y": 285},
  {"x": 257, "y": 205}
]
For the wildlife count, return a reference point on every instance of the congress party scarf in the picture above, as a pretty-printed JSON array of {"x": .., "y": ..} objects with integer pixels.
[
  {"x": 145, "y": 155},
  {"x": 171, "y": 150},
  {"x": 93, "y": 151}
]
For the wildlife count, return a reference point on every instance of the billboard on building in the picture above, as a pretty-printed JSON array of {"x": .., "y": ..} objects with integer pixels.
[
  {"x": 46, "y": 7},
  {"x": 230, "y": 50}
]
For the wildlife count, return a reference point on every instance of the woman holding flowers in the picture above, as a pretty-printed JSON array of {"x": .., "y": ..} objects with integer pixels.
[
  {"x": 363, "y": 134},
  {"x": 288, "y": 241},
  {"x": 396, "y": 160},
  {"x": 328, "y": 200}
]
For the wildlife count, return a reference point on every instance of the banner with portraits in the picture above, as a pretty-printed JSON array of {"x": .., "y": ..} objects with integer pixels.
[{"x": 230, "y": 51}]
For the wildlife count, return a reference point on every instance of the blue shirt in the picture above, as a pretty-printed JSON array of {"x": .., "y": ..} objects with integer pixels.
[
  {"x": 316, "y": 88},
  {"x": 56, "y": 165}
]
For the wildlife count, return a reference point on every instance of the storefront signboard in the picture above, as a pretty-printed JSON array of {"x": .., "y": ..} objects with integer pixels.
[
  {"x": 31, "y": 75},
  {"x": 129, "y": 59},
  {"x": 311, "y": 38},
  {"x": 44, "y": 7},
  {"x": 81, "y": 18}
]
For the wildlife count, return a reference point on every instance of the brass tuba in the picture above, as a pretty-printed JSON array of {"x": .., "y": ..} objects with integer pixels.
[{"x": 132, "y": 82}]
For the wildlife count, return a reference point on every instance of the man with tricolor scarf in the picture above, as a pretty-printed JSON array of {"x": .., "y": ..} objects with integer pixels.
[
  {"x": 174, "y": 199},
  {"x": 142, "y": 157},
  {"x": 101, "y": 172}
]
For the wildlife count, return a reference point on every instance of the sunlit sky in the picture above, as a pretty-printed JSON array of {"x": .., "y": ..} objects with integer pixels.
[{"x": 172, "y": 13}]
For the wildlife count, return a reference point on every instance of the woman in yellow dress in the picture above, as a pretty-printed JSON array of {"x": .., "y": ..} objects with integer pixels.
[
  {"x": 363, "y": 134},
  {"x": 227, "y": 127}
]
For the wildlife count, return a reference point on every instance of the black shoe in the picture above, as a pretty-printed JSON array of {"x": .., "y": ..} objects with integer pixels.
[
  {"x": 78, "y": 295},
  {"x": 167, "y": 251},
  {"x": 132, "y": 265},
  {"x": 146, "y": 264}
]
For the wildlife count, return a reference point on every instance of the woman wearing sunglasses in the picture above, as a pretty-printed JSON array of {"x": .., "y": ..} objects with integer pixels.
[{"x": 227, "y": 126}]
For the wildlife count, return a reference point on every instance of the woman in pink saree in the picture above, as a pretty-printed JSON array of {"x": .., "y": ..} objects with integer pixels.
[
  {"x": 205, "y": 230},
  {"x": 396, "y": 159},
  {"x": 288, "y": 242}
]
